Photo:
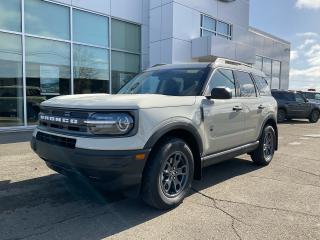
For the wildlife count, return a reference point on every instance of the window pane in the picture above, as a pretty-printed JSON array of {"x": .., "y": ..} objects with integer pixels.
[
  {"x": 47, "y": 19},
  {"x": 267, "y": 66},
  {"x": 276, "y": 66},
  {"x": 90, "y": 28},
  {"x": 223, "y": 28},
  {"x": 206, "y": 33},
  {"x": 262, "y": 86},
  {"x": 222, "y": 78},
  {"x": 208, "y": 23},
  {"x": 124, "y": 67},
  {"x": 91, "y": 70},
  {"x": 247, "y": 88},
  {"x": 10, "y": 15},
  {"x": 47, "y": 72},
  {"x": 11, "y": 91},
  {"x": 125, "y": 36},
  {"x": 258, "y": 63}
]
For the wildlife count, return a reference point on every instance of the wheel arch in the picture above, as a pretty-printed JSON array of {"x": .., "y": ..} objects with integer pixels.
[{"x": 185, "y": 131}]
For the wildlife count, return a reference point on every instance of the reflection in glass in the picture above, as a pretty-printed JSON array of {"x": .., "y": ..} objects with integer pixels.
[
  {"x": 125, "y": 36},
  {"x": 124, "y": 67},
  {"x": 258, "y": 63},
  {"x": 276, "y": 67},
  {"x": 11, "y": 90},
  {"x": 91, "y": 70},
  {"x": 10, "y": 15},
  {"x": 223, "y": 28},
  {"x": 208, "y": 23},
  {"x": 47, "y": 19},
  {"x": 267, "y": 69},
  {"x": 47, "y": 72},
  {"x": 90, "y": 28}
]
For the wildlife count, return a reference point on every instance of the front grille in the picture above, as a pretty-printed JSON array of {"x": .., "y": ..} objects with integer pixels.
[
  {"x": 74, "y": 120},
  {"x": 56, "y": 140}
]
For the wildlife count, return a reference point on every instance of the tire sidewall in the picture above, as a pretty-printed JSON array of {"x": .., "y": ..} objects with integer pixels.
[
  {"x": 164, "y": 152},
  {"x": 283, "y": 114},
  {"x": 265, "y": 131},
  {"x": 312, "y": 116}
]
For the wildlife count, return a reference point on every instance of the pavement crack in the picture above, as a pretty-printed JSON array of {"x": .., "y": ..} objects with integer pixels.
[
  {"x": 278, "y": 180},
  {"x": 299, "y": 170},
  {"x": 233, "y": 218},
  {"x": 269, "y": 208}
]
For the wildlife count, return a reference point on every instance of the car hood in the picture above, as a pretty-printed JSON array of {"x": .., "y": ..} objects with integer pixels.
[{"x": 119, "y": 101}]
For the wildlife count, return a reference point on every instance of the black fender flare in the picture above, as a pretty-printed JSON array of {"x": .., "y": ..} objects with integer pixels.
[
  {"x": 268, "y": 118},
  {"x": 175, "y": 126}
]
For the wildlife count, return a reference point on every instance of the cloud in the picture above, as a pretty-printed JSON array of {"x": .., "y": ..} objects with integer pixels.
[
  {"x": 308, "y": 34},
  {"x": 309, "y": 4},
  {"x": 305, "y": 78},
  {"x": 306, "y": 43},
  {"x": 294, "y": 55},
  {"x": 305, "y": 63}
]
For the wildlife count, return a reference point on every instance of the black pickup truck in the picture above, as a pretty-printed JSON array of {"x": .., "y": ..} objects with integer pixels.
[{"x": 294, "y": 105}]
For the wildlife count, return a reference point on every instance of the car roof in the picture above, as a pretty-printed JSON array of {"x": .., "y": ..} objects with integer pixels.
[{"x": 218, "y": 63}]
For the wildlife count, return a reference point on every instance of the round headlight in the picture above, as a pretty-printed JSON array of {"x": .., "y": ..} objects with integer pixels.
[
  {"x": 110, "y": 123},
  {"x": 123, "y": 123}
]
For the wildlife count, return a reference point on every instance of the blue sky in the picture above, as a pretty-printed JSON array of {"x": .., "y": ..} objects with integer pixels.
[{"x": 297, "y": 21}]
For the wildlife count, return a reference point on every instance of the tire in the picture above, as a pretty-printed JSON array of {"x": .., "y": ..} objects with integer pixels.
[
  {"x": 160, "y": 185},
  {"x": 263, "y": 155},
  {"x": 314, "y": 116},
  {"x": 281, "y": 115}
]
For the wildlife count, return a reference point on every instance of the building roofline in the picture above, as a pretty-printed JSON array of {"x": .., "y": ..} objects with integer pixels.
[{"x": 268, "y": 35}]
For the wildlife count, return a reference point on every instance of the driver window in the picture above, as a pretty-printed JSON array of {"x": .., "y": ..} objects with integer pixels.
[
  {"x": 299, "y": 98},
  {"x": 222, "y": 78}
]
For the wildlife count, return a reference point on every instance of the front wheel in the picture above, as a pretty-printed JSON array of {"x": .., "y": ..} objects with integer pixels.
[
  {"x": 281, "y": 115},
  {"x": 168, "y": 174},
  {"x": 314, "y": 116},
  {"x": 263, "y": 155}
]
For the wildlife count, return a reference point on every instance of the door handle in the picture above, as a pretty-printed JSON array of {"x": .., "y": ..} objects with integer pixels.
[
  {"x": 237, "y": 108},
  {"x": 261, "y": 107}
]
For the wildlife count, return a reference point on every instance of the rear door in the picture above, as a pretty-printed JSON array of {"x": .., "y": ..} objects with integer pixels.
[
  {"x": 302, "y": 108},
  {"x": 223, "y": 119},
  {"x": 252, "y": 103}
]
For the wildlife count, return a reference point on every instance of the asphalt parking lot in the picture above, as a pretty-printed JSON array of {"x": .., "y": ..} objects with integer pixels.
[{"x": 235, "y": 200}]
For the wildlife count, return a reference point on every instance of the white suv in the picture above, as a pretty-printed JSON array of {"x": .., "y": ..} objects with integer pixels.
[{"x": 161, "y": 129}]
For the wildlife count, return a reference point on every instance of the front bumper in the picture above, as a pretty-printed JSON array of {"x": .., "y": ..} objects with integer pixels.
[{"x": 116, "y": 170}]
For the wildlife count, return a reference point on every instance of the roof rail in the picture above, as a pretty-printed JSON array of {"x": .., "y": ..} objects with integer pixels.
[
  {"x": 232, "y": 62},
  {"x": 159, "y": 64}
]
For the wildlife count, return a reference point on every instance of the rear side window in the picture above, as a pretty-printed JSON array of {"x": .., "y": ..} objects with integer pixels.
[
  {"x": 247, "y": 88},
  {"x": 222, "y": 78},
  {"x": 262, "y": 85},
  {"x": 285, "y": 96}
]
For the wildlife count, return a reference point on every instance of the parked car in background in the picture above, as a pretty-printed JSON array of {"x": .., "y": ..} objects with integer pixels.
[
  {"x": 294, "y": 105},
  {"x": 312, "y": 96}
]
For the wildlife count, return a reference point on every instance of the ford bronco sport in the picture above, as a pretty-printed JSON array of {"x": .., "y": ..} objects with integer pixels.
[{"x": 161, "y": 129}]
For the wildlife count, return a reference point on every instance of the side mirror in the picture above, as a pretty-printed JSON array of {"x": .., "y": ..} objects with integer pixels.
[{"x": 221, "y": 93}]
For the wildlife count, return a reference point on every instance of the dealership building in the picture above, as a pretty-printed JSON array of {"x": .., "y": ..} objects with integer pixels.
[{"x": 57, "y": 47}]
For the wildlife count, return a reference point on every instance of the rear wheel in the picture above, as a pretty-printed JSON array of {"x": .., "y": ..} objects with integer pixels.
[
  {"x": 281, "y": 115},
  {"x": 263, "y": 155},
  {"x": 168, "y": 174},
  {"x": 314, "y": 116}
]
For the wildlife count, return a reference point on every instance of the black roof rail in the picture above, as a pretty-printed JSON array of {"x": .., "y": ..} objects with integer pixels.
[{"x": 159, "y": 64}]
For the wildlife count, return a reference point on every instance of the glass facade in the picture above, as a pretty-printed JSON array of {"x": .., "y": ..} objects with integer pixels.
[
  {"x": 272, "y": 69},
  {"x": 57, "y": 50},
  {"x": 211, "y": 26}
]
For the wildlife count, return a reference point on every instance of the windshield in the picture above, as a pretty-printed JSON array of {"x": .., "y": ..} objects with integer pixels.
[{"x": 172, "y": 82}]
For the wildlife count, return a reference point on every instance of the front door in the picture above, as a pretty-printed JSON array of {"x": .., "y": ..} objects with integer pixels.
[{"x": 223, "y": 119}]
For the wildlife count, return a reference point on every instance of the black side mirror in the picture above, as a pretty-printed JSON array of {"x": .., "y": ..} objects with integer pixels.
[{"x": 221, "y": 93}]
